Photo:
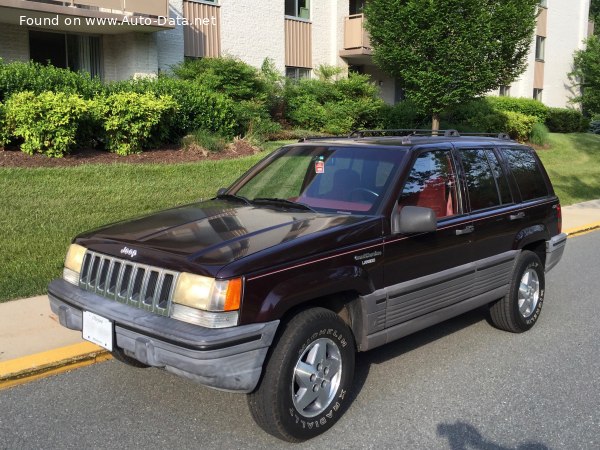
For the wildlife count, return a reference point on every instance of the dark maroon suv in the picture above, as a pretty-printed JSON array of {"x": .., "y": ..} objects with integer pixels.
[{"x": 325, "y": 248}]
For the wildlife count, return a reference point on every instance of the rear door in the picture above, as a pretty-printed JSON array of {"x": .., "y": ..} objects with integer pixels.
[{"x": 495, "y": 216}]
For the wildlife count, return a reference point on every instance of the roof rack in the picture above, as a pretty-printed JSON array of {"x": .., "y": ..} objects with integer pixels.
[
  {"x": 422, "y": 132},
  {"x": 317, "y": 138}
]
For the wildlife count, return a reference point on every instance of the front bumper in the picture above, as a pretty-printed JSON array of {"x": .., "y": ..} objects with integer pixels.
[
  {"x": 228, "y": 358},
  {"x": 555, "y": 248}
]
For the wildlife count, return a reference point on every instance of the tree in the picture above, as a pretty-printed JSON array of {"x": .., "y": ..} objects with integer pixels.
[
  {"x": 586, "y": 76},
  {"x": 446, "y": 52},
  {"x": 595, "y": 14}
]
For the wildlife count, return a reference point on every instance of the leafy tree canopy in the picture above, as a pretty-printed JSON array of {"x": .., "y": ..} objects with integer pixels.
[
  {"x": 445, "y": 52},
  {"x": 586, "y": 76}
]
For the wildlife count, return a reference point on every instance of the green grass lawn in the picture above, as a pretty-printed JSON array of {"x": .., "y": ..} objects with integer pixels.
[
  {"x": 42, "y": 209},
  {"x": 573, "y": 163}
]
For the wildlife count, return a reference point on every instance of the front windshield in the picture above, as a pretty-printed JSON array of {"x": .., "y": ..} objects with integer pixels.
[{"x": 340, "y": 179}]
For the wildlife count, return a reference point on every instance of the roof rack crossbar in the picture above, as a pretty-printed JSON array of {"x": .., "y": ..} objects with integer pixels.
[{"x": 401, "y": 132}]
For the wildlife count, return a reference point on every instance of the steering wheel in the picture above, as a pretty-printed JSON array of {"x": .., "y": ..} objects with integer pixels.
[{"x": 368, "y": 191}]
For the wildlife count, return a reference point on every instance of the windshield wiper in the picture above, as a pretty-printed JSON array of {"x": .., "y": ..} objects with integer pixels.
[
  {"x": 239, "y": 198},
  {"x": 284, "y": 202}
]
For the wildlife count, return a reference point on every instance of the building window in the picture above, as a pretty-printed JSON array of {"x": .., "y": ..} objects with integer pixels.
[
  {"x": 540, "y": 48},
  {"x": 537, "y": 94},
  {"x": 504, "y": 91},
  {"x": 298, "y": 8},
  {"x": 297, "y": 73},
  {"x": 544, "y": 3},
  {"x": 357, "y": 6},
  {"x": 79, "y": 53}
]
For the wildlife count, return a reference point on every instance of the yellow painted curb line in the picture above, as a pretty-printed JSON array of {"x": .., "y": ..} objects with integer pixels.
[
  {"x": 584, "y": 229},
  {"x": 28, "y": 368}
]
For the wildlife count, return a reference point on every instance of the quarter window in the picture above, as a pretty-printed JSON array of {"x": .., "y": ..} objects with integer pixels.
[
  {"x": 431, "y": 184},
  {"x": 526, "y": 172}
]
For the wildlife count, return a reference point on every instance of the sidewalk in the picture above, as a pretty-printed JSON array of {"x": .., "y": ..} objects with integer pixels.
[{"x": 33, "y": 344}]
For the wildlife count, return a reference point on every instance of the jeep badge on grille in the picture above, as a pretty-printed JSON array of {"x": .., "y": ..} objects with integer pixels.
[{"x": 129, "y": 252}]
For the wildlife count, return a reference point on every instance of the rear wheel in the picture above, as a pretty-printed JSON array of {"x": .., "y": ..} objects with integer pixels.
[
  {"x": 520, "y": 308},
  {"x": 304, "y": 388}
]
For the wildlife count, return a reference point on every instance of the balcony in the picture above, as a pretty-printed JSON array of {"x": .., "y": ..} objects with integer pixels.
[
  {"x": 202, "y": 36},
  {"x": 357, "y": 43},
  {"x": 89, "y": 16},
  {"x": 298, "y": 43}
]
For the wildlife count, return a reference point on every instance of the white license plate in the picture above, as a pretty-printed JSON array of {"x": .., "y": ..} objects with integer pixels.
[{"x": 98, "y": 330}]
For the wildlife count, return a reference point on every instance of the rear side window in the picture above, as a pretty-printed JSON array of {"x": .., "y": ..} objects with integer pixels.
[
  {"x": 486, "y": 182},
  {"x": 526, "y": 172}
]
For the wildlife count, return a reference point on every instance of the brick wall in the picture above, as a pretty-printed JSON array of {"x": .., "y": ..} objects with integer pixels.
[{"x": 14, "y": 43}]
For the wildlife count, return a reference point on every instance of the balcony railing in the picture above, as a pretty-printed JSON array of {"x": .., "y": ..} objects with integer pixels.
[
  {"x": 151, "y": 8},
  {"x": 355, "y": 35},
  {"x": 298, "y": 43}
]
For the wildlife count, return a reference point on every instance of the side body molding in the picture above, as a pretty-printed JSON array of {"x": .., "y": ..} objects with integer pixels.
[{"x": 399, "y": 310}]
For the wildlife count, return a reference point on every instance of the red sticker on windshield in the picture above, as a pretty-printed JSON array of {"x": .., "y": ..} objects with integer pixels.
[{"x": 319, "y": 167}]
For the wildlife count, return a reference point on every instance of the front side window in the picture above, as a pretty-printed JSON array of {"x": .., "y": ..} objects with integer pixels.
[
  {"x": 526, "y": 172},
  {"x": 486, "y": 183},
  {"x": 298, "y": 8},
  {"x": 431, "y": 184},
  {"x": 339, "y": 179}
]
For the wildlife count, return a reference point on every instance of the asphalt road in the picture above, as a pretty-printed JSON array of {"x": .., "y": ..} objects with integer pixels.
[{"x": 460, "y": 385}]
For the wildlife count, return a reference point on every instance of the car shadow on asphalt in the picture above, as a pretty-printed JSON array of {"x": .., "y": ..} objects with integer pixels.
[
  {"x": 410, "y": 343},
  {"x": 463, "y": 436}
]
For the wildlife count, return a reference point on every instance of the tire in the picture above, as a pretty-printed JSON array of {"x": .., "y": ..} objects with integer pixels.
[
  {"x": 120, "y": 355},
  {"x": 283, "y": 408},
  {"x": 520, "y": 309}
]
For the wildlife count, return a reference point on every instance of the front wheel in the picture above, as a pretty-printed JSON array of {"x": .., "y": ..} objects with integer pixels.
[
  {"x": 304, "y": 388},
  {"x": 520, "y": 308}
]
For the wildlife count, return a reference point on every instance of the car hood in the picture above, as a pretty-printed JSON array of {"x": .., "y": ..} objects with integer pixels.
[{"x": 214, "y": 232}]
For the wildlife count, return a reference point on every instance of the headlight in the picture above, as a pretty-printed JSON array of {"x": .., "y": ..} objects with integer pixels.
[
  {"x": 207, "y": 302},
  {"x": 73, "y": 263}
]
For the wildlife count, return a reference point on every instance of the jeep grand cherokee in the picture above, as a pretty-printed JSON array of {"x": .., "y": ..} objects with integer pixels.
[{"x": 325, "y": 248}]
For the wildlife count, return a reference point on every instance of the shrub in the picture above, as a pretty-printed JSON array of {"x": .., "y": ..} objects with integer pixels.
[
  {"x": 31, "y": 76},
  {"x": 198, "y": 108},
  {"x": 230, "y": 76},
  {"x": 333, "y": 106},
  {"x": 539, "y": 134},
  {"x": 403, "y": 115},
  {"x": 519, "y": 126},
  {"x": 4, "y": 137},
  {"x": 526, "y": 106},
  {"x": 132, "y": 121},
  {"x": 563, "y": 120},
  {"x": 47, "y": 122}
]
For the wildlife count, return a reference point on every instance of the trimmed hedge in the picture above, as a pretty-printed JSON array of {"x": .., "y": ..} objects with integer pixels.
[
  {"x": 46, "y": 122},
  {"x": 526, "y": 106},
  {"x": 563, "y": 120},
  {"x": 31, "y": 76}
]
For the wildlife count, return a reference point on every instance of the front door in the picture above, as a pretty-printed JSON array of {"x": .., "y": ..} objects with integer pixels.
[{"x": 428, "y": 271}]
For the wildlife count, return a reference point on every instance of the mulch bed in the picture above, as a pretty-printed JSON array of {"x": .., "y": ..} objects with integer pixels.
[{"x": 13, "y": 157}]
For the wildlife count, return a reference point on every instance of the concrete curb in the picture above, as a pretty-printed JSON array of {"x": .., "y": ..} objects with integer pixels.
[
  {"x": 32, "y": 367},
  {"x": 583, "y": 229},
  {"x": 28, "y": 368}
]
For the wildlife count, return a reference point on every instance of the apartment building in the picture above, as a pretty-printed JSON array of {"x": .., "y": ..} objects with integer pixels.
[
  {"x": 119, "y": 39},
  {"x": 562, "y": 27}
]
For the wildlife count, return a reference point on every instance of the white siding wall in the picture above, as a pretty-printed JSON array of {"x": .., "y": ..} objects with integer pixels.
[
  {"x": 386, "y": 84},
  {"x": 129, "y": 55},
  {"x": 253, "y": 31},
  {"x": 169, "y": 43},
  {"x": 328, "y": 31},
  {"x": 567, "y": 29},
  {"x": 14, "y": 43}
]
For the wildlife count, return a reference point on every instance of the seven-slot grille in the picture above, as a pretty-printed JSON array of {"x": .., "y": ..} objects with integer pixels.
[{"x": 145, "y": 287}]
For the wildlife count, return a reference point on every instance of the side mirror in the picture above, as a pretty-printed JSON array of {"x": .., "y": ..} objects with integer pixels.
[
  {"x": 221, "y": 191},
  {"x": 414, "y": 219}
]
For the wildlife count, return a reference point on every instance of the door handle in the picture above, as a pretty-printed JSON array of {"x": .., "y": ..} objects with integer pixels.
[
  {"x": 467, "y": 230},
  {"x": 517, "y": 216}
]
